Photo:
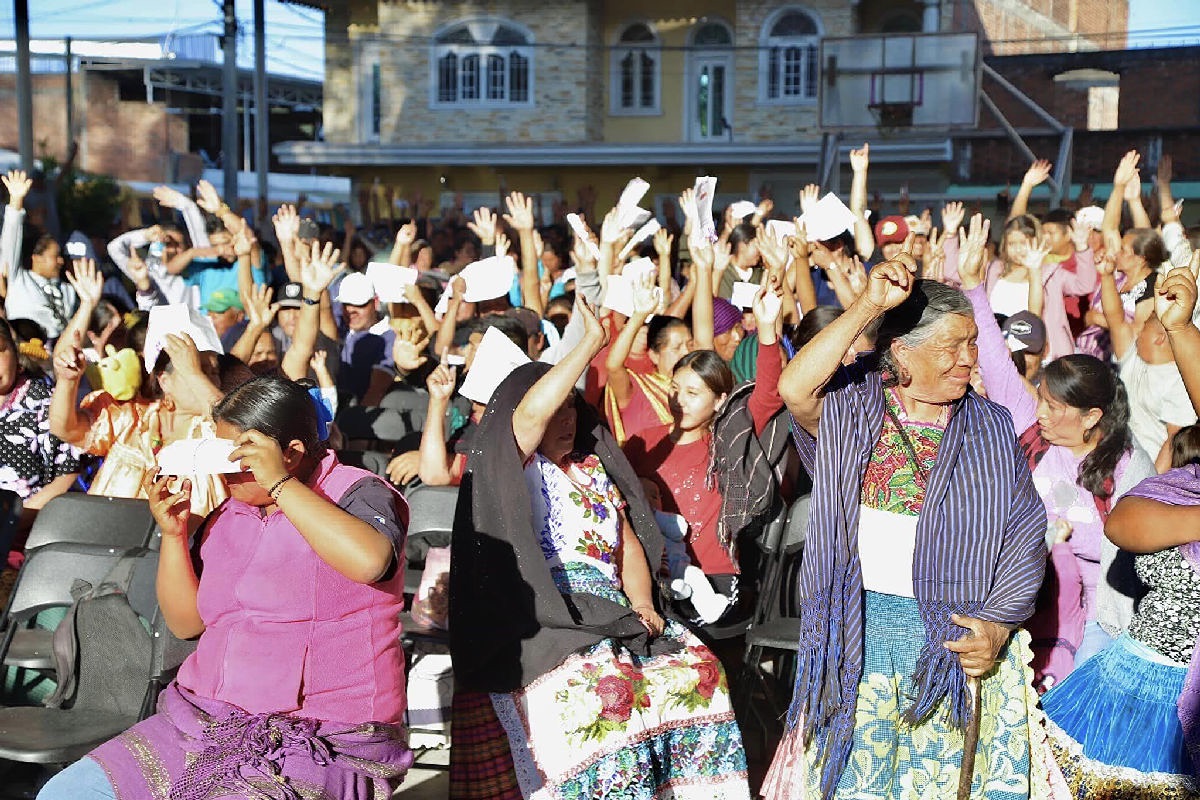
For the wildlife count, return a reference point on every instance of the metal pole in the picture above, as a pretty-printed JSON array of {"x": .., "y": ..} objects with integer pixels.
[
  {"x": 70, "y": 90},
  {"x": 1016, "y": 139},
  {"x": 229, "y": 104},
  {"x": 1023, "y": 98},
  {"x": 24, "y": 85},
  {"x": 262, "y": 111}
]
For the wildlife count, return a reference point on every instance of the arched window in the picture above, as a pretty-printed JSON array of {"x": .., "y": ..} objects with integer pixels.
[
  {"x": 481, "y": 63},
  {"x": 634, "y": 87},
  {"x": 790, "y": 47}
]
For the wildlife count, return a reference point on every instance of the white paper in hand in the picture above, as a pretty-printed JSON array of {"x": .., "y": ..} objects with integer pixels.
[
  {"x": 828, "y": 219},
  {"x": 743, "y": 294},
  {"x": 618, "y": 295},
  {"x": 642, "y": 234},
  {"x": 742, "y": 209},
  {"x": 179, "y": 319},
  {"x": 198, "y": 457},
  {"x": 632, "y": 194},
  {"x": 705, "y": 191},
  {"x": 581, "y": 233},
  {"x": 489, "y": 278},
  {"x": 780, "y": 229},
  {"x": 495, "y": 359},
  {"x": 390, "y": 281}
]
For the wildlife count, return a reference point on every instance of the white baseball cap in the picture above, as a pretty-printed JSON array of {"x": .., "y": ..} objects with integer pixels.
[{"x": 356, "y": 289}]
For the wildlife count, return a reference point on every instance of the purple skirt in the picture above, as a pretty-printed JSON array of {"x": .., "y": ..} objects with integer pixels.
[{"x": 196, "y": 748}]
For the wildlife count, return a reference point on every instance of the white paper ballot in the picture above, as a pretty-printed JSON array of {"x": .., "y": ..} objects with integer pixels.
[
  {"x": 390, "y": 281},
  {"x": 743, "y": 294},
  {"x": 640, "y": 235},
  {"x": 495, "y": 359},
  {"x": 179, "y": 319},
  {"x": 705, "y": 191},
  {"x": 828, "y": 219},
  {"x": 632, "y": 194},
  {"x": 489, "y": 278},
  {"x": 580, "y": 231},
  {"x": 780, "y": 229},
  {"x": 634, "y": 270},
  {"x": 198, "y": 457},
  {"x": 618, "y": 295},
  {"x": 452, "y": 360},
  {"x": 742, "y": 209}
]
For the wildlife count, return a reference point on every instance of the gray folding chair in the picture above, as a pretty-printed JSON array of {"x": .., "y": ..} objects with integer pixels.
[
  {"x": 92, "y": 520},
  {"x": 430, "y": 524}
]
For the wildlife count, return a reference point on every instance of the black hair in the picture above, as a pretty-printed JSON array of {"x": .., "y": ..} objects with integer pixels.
[
  {"x": 1058, "y": 216},
  {"x": 510, "y": 327},
  {"x": 813, "y": 323},
  {"x": 102, "y": 315},
  {"x": 711, "y": 368},
  {"x": 741, "y": 235},
  {"x": 275, "y": 406},
  {"x": 26, "y": 330},
  {"x": 1185, "y": 447},
  {"x": 1147, "y": 243},
  {"x": 35, "y": 245},
  {"x": 1085, "y": 382},
  {"x": 659, "y": 328},
  {"x": 27, "y": 365}
]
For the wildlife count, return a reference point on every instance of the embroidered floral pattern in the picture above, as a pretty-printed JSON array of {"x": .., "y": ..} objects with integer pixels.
[{"x": 891, "y": 482}]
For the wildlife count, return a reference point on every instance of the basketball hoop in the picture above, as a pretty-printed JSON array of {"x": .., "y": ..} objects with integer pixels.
[{"x": 891, "y": 118}]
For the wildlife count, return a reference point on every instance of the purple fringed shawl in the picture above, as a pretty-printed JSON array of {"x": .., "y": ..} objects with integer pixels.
[
  {"x": 196, "y": 748},
  {"x": 1181, "y": 487},
  {"x": 980, "y": 552}
]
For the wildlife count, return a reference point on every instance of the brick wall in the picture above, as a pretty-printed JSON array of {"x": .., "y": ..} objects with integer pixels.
[
  {"x": 1014, "y": 27},
  {"x": 131, "y": 140}
]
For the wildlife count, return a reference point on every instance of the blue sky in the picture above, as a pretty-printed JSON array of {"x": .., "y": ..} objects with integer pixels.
[{"x": 295, "y": 34}]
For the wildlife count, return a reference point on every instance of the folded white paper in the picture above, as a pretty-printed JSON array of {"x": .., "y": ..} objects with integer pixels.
[
  {"x": 495, "y": 359},
  {"x": 632, "y": 194},
  {"x": 743, "y": 294},
  {"x": 198, "y": 457},
  {"x": 489, "y": 278},
  {"x": 828, "y": 219},
  {"x": 639, "y": 267},
  {"x": 618, "y": 295},
  {"x": 453, "y": 360},
  {"x": 742, "y": 209},
  {"x": 390, "y": 281},
  {"x": 179, "y": 319},
  {"x": 705, "y": 191},
  {"x": 640, "y": 235},
  {"x": 780, "y": 229},
  {"x": 580, "y": 231}
]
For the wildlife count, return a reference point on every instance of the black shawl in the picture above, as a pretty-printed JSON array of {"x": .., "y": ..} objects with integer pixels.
[{"x": 509, "y": 624}]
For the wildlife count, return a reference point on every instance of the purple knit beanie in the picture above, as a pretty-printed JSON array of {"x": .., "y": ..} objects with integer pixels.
[{"x": 726, "y": 316}]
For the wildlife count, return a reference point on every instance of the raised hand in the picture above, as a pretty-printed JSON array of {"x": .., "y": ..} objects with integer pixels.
[
  {"x": 18, "y": 185},
  {"x": 663, "y": 240},
  {"x": 1175, "y": 299},
  {"x": 321, "y": 268},
  {"x": 768, "y": 302},
  {"x": 287, "y": 224},
  {"x": 774, "y": 254},
  {"x": 687, "y": 204},
  {"x": 458, "y": 288},
  {"x": 539, "y": 246},
  {"x": 646, "y": 296},
  {"x": 484, "y": 226},
  {"x": 972, "y": 251},
  {"x": 595, "y": 335},
  {"x": 87, "y": 281},
  {"x": 167, "y": 197},
  {"x": 1037, "y": 173},
  {"x": 139, "y": 273},
  {"x": 856, "y": 274},
  {"x": 1079, "y": 235},
  {"x": 952, "y": 217},
  {"x": 502, "y": 244},
  {"x": 441, "y": 383},
  {"x": 809, "y": 196},
  {"x": 722, "y": 254},
  {"x": 763, "y": 210},
  {"x": 520, "y": 212},
  {"x": 610, "y": 229},
  {"x": 408, "y": 349},
  {"x": 860, "y": 159},
  {"x": 933, "y": 257},
  {"x": 798, "y": 242},
  {"x": 183, "y": 353},
  {"x": 890, "y": 283},
  {"x": 70, "y": 364},
  {"x": 407, "y": 234},
  {"x": 1106, "y": 265},
  {"x": 259, "y": 308},
  {"x": 1133, "y": 190},
  {"x": 1127, "y": 169},
  {"x": 244, "y": 240},
  {"x": 1035, "y": 254},
  {"x": 207, "y": 197},
  {"x": 171, "y": 510},
  {"x": 1165, "y": 170}
]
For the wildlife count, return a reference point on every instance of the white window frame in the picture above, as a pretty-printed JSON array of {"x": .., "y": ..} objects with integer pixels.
[
  {"x": 767, "y": 42},
  {"x": 696, "y": 54},
  {"x": 617, "y": 54},
  {"x": 370, "y": 55},
  {"x": 482, "y": 29}
]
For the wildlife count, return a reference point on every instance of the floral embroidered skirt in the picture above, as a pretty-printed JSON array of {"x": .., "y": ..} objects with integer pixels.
[
  {"x": 607, "y": 723},
  {"x": 893, "y": 761}
]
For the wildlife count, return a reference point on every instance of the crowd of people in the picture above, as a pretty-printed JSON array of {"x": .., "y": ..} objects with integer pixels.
[{"x": 995, "y": 420}]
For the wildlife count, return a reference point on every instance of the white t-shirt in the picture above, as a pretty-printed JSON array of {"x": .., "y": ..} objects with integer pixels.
[
  {"x": 1009, "y": 297},
  {"x": 1157, "y": 398}
]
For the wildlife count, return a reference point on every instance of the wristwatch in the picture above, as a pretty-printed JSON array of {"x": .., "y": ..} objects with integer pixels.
[{"x": 308, "y": 301}]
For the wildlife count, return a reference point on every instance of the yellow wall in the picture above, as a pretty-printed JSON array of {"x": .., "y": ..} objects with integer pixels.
[{"x": 672, "y": 20}]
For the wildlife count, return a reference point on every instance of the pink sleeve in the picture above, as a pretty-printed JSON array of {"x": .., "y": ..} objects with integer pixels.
[
  {"x": 1071, "y": 618},
  {"x": 765, "y": 401},
  {"x": 1001, "y": 380},
  {"x": 1084, "y": 280},
  {"x": 950, "y": 270}
]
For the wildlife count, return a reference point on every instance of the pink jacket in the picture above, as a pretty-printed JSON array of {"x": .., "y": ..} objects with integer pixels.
[
  {"x": 284, "y": 631},
  {"x": 1057, "y": 282}
]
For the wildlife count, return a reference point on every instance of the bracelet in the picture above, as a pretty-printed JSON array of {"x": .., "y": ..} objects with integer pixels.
[
  {"x": 308, "y": 301},
  {"x": 278, "y": 484}
]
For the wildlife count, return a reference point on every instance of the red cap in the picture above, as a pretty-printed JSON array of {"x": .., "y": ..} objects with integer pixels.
[{"x": 890, "y": 230}]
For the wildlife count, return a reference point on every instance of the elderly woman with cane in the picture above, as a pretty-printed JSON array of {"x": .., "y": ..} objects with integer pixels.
[{"x": 925, "y": 551}]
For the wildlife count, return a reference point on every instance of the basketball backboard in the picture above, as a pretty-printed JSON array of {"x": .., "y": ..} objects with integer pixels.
[{"x": 899, "y": 82}]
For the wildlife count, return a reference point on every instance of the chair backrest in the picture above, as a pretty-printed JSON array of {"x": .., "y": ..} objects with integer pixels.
[
  {"x": 431, "y": 518},
  {"x": 86, "y": 519},
  {"x": 46, "y": 577},
  {"x": 796, "y": 530}
]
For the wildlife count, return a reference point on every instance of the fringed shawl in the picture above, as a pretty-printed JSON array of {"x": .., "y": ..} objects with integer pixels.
[
  {"x": 509, "y": 624},
  {"x": 980, "y": 552}
]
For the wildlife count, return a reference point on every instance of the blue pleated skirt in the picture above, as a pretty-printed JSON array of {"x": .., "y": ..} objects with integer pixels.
[{"x": 1119, "y": 707}]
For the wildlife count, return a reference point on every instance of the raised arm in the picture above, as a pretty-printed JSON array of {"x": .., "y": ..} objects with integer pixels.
[
  {"x": 1037, "y": 173},
  {"x": 1175, "y": 303},
  {"x": 445, "y": 333},
  {"x": 12, "y": 236},
  {"x": 402, "y": 250},
  {"x": 801, "y": 272},
  {"x": 187, "y": 208},
  {"x": 88, "y": 283},
  {"x": 287, "y": 231},
  {"x": 435, "y": 460},
  {"x": 864, "y": 237},
  {"x": 765, "y": 402},
  {"x": 1133, "y": 198},
  {"x": 803, "y": 382},
  {"x": 645, "y": 302},
  {"x": 520, "y": 218},
  {"x": 176, "y": 582},
  {"x": 1119, "y": 328},
  {"x": 547, "y": 396},
  {"x": 67, "y": 421},
  {"x": 1126, "y": 173}
]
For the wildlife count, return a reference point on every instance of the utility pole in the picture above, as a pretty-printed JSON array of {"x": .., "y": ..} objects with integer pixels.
[
  {"x": 262, "y": 111},
  {"x": 70, "y": 91},
  {"x": 24, "y": 85},
  {"x": 229, "y": 105}
]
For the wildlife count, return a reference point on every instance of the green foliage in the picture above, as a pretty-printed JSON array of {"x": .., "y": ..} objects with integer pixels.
[{"x": 86, "y": 202}]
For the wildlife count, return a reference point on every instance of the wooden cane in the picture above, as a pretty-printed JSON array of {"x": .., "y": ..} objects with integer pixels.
[{"x": 970, "y": 741}]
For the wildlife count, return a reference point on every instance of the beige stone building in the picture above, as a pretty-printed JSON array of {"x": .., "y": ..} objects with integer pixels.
[{"x": 476, "y": 97}]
